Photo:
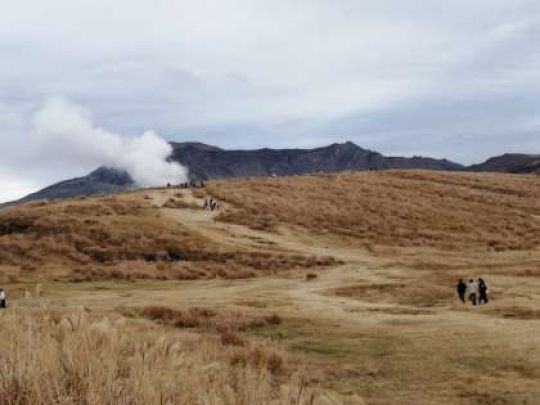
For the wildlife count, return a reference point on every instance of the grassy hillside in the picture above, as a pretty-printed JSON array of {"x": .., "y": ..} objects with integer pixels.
[
  {"x": 403, "y": 209},
  {"x": 122, "y": 237},
  {"x": 328, "y": 289}
]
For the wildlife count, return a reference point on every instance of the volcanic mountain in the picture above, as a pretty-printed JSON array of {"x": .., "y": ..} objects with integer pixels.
[{"x": 211, "y": 162}]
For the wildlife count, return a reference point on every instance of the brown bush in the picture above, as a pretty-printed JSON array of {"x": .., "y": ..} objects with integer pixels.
[
  {"x": 228, "y": 319},
  {"x": 229, "y": 338},
  {"x": 259, "y": 356},
  {"x": 273, "y": 319},
  {"x": 174, "y": 203},
  {"x": 170, "y": 316}
]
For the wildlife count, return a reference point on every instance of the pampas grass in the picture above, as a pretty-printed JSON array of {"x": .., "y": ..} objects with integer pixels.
[{"x": 47, "y": 358}]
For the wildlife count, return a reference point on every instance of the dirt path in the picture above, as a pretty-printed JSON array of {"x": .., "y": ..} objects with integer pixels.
[
  {"x": 311, "y": 298},
  {"x": 204, "y": 223}
]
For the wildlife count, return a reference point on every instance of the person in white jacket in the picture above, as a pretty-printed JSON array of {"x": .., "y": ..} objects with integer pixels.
[
  {"x": 472, "y": 291},
  {"x": 3, "y": 303}
]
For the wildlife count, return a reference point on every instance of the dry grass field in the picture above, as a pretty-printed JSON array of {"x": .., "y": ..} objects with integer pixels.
[
  {"x": 451, "y": 211},
  {"x": 327, "y": 289}
]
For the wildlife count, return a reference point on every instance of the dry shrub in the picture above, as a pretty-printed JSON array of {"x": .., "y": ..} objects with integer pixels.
[
  {"x": 199, "y": 193},
  {"x": 235, "y": 272},
  {"x": 276, "y": 262},
  {"x": 237, "y": 319},
  {"x": 52, "y": 359},
  {"x": 229, "y": 338},
  {"x": 174, "y": 203},
  {"x": 172, "y": 317},
  {"x": 260, "y": 356},
  {"x": 311, "y": 276},
  {"x": 227, "y": 319},
  {"x": 273, "y": 319},
  {"x": 193, "y": 266},
  {"x": 131, "y": 271}
]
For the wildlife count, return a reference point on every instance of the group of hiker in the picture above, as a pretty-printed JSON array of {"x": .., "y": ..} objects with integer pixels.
[
  {"x": 188, "y": 184},
  {"x": 210, "y": 204},
  {"x": 474, "y": 291}
]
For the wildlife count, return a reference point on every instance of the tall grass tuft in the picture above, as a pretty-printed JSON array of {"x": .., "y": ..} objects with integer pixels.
[{"x": 50, "y": 359}]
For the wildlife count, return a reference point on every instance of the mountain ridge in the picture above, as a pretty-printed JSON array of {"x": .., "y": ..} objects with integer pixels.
[{"x": 211, "y": 162}]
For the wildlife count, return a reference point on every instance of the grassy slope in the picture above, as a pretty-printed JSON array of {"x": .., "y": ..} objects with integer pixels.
[
  {"x": 403, "y": 209},
  {"x": 380, "y": 321}
]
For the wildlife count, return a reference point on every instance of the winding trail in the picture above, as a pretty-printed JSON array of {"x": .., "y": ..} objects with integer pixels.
[{"x": 292, "y": 291}]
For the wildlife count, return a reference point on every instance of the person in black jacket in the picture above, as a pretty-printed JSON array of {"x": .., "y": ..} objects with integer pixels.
[
  {"x": 482, "y": 291},
  {"x": 461, "y": 289}
]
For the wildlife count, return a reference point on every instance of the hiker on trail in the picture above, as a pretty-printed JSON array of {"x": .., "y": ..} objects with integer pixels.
[
  {"x": 472, "y": 291},
  {"x": 461, "y": 289},
  {"x": 3, "y": 303},
  {"x": 208, "y": 205},
  {"x": 482, "y": 291}
]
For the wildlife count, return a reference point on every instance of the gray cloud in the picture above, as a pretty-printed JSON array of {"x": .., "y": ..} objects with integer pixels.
[{"x": 457, "y": 78}]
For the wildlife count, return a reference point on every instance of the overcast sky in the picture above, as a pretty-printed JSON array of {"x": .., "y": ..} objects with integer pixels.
[{"x": 447, "y": 78}]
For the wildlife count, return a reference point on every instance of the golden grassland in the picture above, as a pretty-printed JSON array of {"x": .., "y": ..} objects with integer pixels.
[
  {"x": 323, "y": 289},
  {"x": 121, "y": 238},
  {"x": 451, "y": 211}
]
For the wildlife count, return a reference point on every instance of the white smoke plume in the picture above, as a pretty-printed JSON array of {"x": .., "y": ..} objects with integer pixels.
[{"x": 65, "y": 130}]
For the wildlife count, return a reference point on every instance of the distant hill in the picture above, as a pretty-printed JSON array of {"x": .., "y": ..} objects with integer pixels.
[
  {"x": 102, "y": 180},
  {"x": 510, "y": 163},
  {"x": 211, "y": 162}
]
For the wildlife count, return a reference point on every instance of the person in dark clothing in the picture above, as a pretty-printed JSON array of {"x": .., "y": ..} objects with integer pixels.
[
  {"x": 461, "y": 289},
  {"x": 482, "y": 291}
]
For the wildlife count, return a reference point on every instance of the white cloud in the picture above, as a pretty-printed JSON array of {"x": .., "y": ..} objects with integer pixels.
[
  {"x": 62, "y": 136},
  {"x": 61, "y": 126},
  {"x": 13, "y": 188},
  {"x": 232, "y": 72}
]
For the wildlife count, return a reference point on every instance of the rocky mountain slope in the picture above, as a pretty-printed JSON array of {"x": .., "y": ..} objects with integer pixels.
[{"x": 210, "y": 162}]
